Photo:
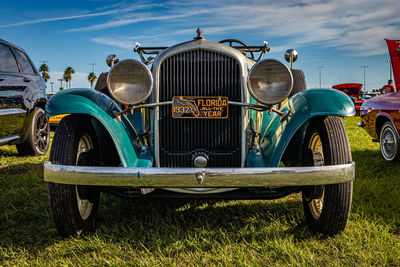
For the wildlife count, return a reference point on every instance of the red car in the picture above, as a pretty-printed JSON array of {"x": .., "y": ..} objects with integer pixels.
[
  {"x": 380, "y": 116},
  {"x": 353, "y": 90}
]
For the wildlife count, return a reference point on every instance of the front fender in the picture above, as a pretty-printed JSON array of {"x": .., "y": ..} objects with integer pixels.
[
  {"x": 101, "y": 107},
  {"x": 302, "y": 107}
]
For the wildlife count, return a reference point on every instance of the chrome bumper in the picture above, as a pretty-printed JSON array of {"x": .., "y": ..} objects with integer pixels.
[{"x": 199, "y": 177}]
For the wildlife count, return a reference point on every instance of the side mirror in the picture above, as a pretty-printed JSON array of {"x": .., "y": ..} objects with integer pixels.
[
  {"x": 291, "y": 56},
  {"x": 112, "y": 60}
]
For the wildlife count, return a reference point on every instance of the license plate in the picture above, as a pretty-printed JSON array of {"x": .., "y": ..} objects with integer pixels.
[{"x": 199, "y": 107}]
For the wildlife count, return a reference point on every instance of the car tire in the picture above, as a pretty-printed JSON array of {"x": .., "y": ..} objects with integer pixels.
[
  {"x": 299, "y": 82},
  {"x": 389, "y": 142},
  {"x": 38, "y": 140},
  {"x": 327, "y": 207},
  {"x": 73, "y": 207},
  {"x": 101, "y": 84}
]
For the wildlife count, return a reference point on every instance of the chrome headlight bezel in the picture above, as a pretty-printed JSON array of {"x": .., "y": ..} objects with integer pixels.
[
  {"x": 274, "y": 96},
  {"x": 138, "y": 67}
]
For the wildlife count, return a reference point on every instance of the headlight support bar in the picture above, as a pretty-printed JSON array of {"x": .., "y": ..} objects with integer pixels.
[{"x": 255, "y": 107}]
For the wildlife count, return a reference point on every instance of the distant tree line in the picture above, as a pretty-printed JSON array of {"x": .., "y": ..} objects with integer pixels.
[{"x": 67, "y": 76}]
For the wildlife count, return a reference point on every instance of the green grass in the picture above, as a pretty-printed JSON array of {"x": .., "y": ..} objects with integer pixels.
[{"x": 203, "y": 232}]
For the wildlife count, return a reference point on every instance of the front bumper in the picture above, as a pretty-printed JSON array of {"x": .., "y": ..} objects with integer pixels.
[{"x": 199, "y": 177}]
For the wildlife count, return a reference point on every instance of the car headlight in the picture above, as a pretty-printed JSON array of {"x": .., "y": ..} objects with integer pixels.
[
  {"x": 130, "y": 82},
  {"x": 270, "y": 81}
]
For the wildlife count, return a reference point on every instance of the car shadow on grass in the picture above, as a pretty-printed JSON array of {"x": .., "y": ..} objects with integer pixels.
[
  {"x": 8, "y": 151},
  {"x": 163, "y": 222},
  {"x": 26, "y": 221},
  {"x": 24, "y": 213},
  {"x": 20, "y": 169},
  {"x": 376, "y": 194}
]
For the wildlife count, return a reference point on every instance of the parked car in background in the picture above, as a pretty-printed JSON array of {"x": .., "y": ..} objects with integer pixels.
[
  {"x": 353, "y": 90},
  {"x": 23, "y": 121},
  {"x": 380, "y": 118},
  {"x": 207, "y": 122},
  {"x": 380, "y": 115},
  {"x": 55, "y": 120},
  {"x": 369, "y": 95}
]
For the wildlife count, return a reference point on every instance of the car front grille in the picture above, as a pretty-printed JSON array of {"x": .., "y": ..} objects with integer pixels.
[{"x": 200, "y": 73}]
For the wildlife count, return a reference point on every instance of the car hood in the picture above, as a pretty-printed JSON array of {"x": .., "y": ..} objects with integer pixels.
[{"x": 350, "y": 89}]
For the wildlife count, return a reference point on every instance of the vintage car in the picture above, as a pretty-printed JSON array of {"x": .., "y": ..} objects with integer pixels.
[
  {"x": 54, "y": 120},
  {"x": 353, "y": 90},
  {"x": 205, "y": 121},
  {"x": 23, "y": 121},
  {"x": 380, "y": 116}
]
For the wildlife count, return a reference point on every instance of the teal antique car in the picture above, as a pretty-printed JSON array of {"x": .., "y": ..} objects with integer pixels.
[{"x": 207, "y": 120}]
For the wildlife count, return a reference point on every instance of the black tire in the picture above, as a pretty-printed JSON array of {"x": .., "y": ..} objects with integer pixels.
[
  {"x": 389, "y": 142},
  {"x": 37, "y": 142},
  {"x": 327, "y": 207},
  {"x": 101, "y": 84},
  {"x": 299, "y": 82},
  {"x": 71, "y": 135}
]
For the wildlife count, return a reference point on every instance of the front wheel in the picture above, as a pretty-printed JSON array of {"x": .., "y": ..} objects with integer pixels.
[
  {"x": 37, "y": 142},
  {"x": 73, "y": 207},
  {"x": 389, "y": 142},
  {"x": 327, "y": 207}
]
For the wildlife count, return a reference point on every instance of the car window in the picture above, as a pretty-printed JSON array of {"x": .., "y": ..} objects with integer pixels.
[
  {"x": 7, "y": 60},
  {"x": 24, "y": 64}
]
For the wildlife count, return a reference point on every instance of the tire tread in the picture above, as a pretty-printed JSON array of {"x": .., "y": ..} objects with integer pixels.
[
  {"x": 338, "y": 197},
  {"x": 62, "y": 197}
]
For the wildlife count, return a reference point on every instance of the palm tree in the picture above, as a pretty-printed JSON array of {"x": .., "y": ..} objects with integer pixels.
[
  {"x": 66, "y": 78},
  {"x": 91, "y": 78},
  {"x": 68, "y": 75},
  {"x": 44, "y": 69}
]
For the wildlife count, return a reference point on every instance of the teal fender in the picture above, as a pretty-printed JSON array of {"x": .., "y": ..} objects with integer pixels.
[
  {"x": 124, "y": 134},
  {"x": 276, "y": 135}
]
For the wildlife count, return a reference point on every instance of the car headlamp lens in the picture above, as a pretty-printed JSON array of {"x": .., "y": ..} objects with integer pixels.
[
  {"x": 270, "y": 81},
  {"x": 130, "y": 82}
]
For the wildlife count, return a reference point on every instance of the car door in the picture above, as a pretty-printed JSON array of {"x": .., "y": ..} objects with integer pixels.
[
  {"x": 29, "y": 78},
  {"x": 13, "y": 114}
]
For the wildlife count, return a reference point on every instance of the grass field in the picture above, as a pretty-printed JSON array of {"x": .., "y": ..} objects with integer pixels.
[{"x": 203, "y": 232}]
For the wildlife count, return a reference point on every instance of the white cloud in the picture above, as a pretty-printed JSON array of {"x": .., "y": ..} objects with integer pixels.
[
  {"x": 116, "y": 9},
  {"x": 35, "y": 21},
  {"x": 136, "y": 19},
  {"x": 114, "y": 42},
  {"x": 357, "y": 27}
]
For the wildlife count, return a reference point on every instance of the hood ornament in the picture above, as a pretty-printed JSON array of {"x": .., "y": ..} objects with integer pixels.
[
  {"x": 199, "y": 36},
  {"x": 200, "y": 177}
]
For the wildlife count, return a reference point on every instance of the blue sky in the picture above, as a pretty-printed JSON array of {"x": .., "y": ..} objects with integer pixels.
[{"x": 340, "y": 35}]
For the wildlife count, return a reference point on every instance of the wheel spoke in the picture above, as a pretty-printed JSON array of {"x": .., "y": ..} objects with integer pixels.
[
  {"x": 84, "y": 206},
  {"x": 40, "y": 122},
  {"x": 41, "y": 143},
  {"x": 42, "y": 132},
  {"x": 388, "y": 143},
  {"x": 316, "y": 204}
]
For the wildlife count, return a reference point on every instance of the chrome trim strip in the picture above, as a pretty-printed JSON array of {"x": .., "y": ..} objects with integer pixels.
[
  {"x": 11, "y": 111},
  {"x": 188, "y": 177},
  {"x": 193, "y": 45},
  {"x": 8, "y": 139}
]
